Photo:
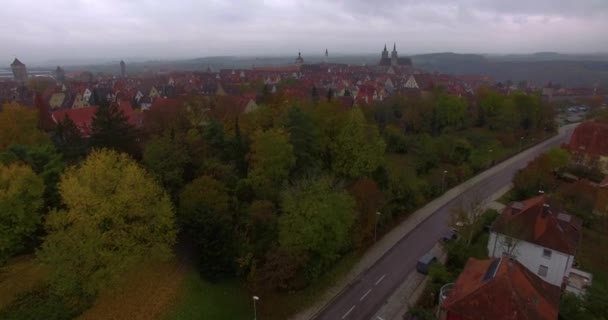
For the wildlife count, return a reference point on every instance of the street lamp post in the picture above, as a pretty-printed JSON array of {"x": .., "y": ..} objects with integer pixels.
[
  {"x": 376, "y": 226},
  {"x": 443, "y": 180},
  {"x": 255, "y": 316}
]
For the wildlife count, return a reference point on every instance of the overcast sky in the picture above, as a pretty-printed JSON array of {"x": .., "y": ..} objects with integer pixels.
[{"x": 42, "y": 30}]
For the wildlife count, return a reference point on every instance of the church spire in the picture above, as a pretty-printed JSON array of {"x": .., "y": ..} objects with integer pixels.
[{"x": 394, "y": 46}]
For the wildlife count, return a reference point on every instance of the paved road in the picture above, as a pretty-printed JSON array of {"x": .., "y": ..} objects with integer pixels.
[{"x": 363, "y": 297}]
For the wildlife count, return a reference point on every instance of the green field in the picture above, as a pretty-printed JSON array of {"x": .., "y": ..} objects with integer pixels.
[{"x": 200, "y": 299}]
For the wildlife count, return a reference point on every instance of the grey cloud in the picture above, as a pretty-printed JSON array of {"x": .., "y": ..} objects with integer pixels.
[{"x": 39, "y": 30}]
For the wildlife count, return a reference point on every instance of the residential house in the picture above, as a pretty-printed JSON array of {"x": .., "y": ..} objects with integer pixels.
[
  {"x": 499, "y": 289},
  {"x": 540, "y": 236},
  {"x": 589, "y": 145}
]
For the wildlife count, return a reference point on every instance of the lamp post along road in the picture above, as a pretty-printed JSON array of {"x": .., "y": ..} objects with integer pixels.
[
  {"x": 255, "y": 316},
  {"x": 443, "y": 180}
]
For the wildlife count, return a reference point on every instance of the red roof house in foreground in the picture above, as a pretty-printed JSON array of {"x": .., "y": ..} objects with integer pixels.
[
  {"x": 500, "y": 289},
  {"x": 589, "y": 145}
]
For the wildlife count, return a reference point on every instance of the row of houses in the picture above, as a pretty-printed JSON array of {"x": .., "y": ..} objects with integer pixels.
[{"x": 532, "y": 248}]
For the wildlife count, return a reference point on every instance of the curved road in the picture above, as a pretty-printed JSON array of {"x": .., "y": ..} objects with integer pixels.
[{"x": 363, "y": 297}]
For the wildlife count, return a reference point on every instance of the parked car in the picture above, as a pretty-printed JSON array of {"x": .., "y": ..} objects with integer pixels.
[
  {"x": 425, "y": 262},
  {"x": 450, "y": 236}
]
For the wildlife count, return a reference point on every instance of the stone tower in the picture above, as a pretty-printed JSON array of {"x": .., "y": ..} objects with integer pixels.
[
  {"x": 394, "y": 56},
  {"x": 326, "y": 55},
  {"x": 123, "y": 69},
  {"x": 19, "y": 71},
  {"x": 385, "y": 53},
  {"x": 59, "y": 74}
]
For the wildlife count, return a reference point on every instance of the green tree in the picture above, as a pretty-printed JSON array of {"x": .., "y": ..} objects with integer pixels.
[
  {"x": 358, "y": 150},
  {"x": 204, "y": 216},
  {"x": 167, "y": 156},
  {"x": 111, "y": 129},
  {"x": 68, "y": 140},
  {"x": 305, "y": 138},
  {"x": 116, "y": 217},
  {"x": 19, "y": 125},
  {"x": 272, "y": 158},
  {"x": 20, "y": 203},
  {"x": 316, "y": 220},
  {"x": 45, "y": 161},
  {"x": 450, "y": 111}
]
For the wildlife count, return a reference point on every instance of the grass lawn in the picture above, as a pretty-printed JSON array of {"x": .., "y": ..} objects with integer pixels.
[
  {"x": 147, "y": 293},
  {"x": 200, "y": 299},
  {"x": 17, "y": 276}
]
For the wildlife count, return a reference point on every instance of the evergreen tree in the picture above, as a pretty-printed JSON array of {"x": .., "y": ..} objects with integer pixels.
[
  {"x": 111, "y": 129},
  {"x": 330, "y": 94},
  {"x": 67, "y": 139}
]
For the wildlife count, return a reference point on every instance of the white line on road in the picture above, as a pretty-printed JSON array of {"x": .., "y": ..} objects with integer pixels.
[
  {"x": 365, "y": 295},
  {"x": 381, "y": 278},
  {"x": 380, "y": 318},
  {"x": 347, "y": 312}
]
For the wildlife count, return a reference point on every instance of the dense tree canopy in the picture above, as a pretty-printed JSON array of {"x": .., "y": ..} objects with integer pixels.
[
  {"x": 116, "y": 216},
  {"x": 272, "y": 158},
  {"x": 166, "y": 156},
  {"x": 204, "y": 213},
  {"x": 19, "y": 125},
  {"x": 111, "y": 129},
  {"x": 20, "y": 207},
  {"x": 358, "y": 150},
  {"x": 317, "y": 220}
]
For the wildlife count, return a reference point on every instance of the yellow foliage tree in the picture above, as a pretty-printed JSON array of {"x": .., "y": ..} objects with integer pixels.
[
  {"x": 19, "y": 125},
  {"x": 116, "y": 217}
]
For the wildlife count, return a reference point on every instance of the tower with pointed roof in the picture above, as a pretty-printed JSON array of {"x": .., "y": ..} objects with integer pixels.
[
  {"x": 19, "y": 71},
  {"x": 123, "y": 69},
  {"x": 384, "y": 53},
  {"x": 326, "y": 55},
  {"x": 394, "y": 56},
  {"x": 299, "y": 59}
]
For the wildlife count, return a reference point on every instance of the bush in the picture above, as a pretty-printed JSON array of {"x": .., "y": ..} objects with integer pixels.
[{"x": 40, "y": 303}]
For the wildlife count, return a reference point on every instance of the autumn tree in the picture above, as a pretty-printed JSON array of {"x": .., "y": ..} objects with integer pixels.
[
  {"x": 205, "y": 218},
  {"x": 316, "y": 220},
  {"x": 540, "y": 174},
  {"x": 271, "y": 160},
  {"x": 116, "y": 216},
  {"x": 20, "y": 207},
  {"x": 166, "y": 156},
  {"x": 467, "y": 218},
  {"x": 358, "y": 150},
  {"x": 369, "y": 199},
  {"x": 111, "y": 129},
  {"x": 45, "y": 161},
  {"x": 19, "y": 125}
]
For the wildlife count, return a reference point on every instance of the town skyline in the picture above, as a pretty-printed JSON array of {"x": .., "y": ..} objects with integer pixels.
[{"x": 72, "y": 29}]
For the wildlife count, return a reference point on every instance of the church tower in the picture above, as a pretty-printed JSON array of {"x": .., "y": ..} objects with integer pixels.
[
  {"x": 299, "y": 59},
  {"x": 326, "y": 56},
  {"x": 59, "y": 74},
  {"x": 19, "y": 71},
  {"x": 385, "y": 53},
  {"x": 394, "y": 56},
  {"x": 123, "y": 69}
]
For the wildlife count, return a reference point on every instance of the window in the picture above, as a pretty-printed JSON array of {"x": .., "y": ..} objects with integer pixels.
[
  {"x": 542, "y": 271},
  {"x": 547, "y": 253}
]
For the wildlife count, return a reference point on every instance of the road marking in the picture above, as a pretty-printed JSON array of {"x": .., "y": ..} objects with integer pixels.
[
  {"x": 365, "y": 295},
  {"x": 347, "y": 312},
  {"x": 380, "y": 318},
  {"x": 381, "y": 278}
]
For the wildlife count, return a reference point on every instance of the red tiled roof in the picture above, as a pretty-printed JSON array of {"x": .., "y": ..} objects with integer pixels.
[
  {"x": 83, "y": 117},
  {"x": 501, "y": 289},
  {"x": 591, "y": 138},
  {"x": 540, "y": 223}
]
